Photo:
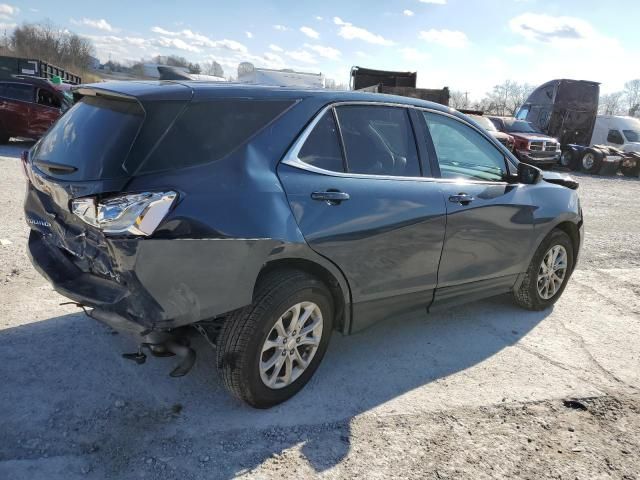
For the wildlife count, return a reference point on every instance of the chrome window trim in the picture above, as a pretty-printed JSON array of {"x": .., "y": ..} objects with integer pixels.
[{"x": 291, "y": 157}]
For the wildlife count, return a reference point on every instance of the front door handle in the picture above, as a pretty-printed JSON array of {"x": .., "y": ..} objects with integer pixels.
[
  {"x": 461, "y": 198},
  {"x": 332, "y": 197}
]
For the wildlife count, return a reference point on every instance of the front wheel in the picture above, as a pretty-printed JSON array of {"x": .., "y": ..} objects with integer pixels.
[
  {"x": 569, "y": 159},
  {"x": 548, "y": 273},
  {"x": 268, "y": 351}
]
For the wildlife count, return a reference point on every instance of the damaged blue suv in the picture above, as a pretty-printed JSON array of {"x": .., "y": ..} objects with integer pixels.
[{"x": 269, "y": 217}]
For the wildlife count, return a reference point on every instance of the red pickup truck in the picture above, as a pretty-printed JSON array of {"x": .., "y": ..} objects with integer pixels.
[{"x": 29, "y": 106}]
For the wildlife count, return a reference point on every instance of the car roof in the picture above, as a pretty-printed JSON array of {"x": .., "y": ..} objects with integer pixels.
[{"x": 177, "y": 90}]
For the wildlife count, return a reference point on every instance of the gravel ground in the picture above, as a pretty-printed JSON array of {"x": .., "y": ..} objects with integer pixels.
[{"x": 481, "y": 391}]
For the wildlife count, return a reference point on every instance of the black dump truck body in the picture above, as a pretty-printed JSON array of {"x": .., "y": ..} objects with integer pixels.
[
  {"x": 564, "y": 109},
  {"x": 10, "y": 66},
  {"x": 395, "y": 83}
]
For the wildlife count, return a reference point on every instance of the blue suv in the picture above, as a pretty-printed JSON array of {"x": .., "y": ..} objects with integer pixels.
[{"x": 267, "y": 218}]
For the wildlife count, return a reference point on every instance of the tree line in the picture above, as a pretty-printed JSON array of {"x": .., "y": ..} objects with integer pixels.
[
  {"x": 47, "y": 42},
  {"x": 505, "y": 99}
]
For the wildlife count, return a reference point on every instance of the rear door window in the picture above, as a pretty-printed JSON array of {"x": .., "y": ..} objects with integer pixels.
[
  {"x": 17, "y": 91},
  {"x": 378, "y": 140},
  {"x": 209, "y": 130},
  {"x": 322, "y": 147}
]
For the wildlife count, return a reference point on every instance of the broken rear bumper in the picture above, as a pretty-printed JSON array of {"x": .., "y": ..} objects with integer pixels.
[{"x": 168, "y": 283}]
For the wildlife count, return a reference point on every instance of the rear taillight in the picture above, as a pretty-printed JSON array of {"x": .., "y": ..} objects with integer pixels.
[{"x": 133, "y": 214}]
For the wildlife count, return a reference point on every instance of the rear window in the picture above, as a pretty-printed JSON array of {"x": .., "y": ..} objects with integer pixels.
[
  {"x": 94, "y": 136},
  {"x": 210, "y": 130}
]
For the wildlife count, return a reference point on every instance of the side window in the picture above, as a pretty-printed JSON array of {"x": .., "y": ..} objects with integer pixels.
[
  {"x": 48, "y": 99},
  {"x": 462, "y": 152},
  {"x": 615, "y": 136},
  {"x": 378, "y": 140},
  {"x": 322, "y": 147},
  {"x": 17, "y": 91},
  {"x": 523, "y": 112}
]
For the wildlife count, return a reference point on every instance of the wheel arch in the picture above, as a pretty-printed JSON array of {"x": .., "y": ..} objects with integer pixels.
[
  {"x": 572, "y": 230},
  {"x": 334, "y": 281}
]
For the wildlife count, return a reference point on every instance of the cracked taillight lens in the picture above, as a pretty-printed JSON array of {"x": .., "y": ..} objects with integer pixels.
[{"x": 134, "y": 214}]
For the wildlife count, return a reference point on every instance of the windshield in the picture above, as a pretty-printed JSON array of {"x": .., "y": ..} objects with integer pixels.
[
  {"x": 484, "y": 122},
  {"x": 520, "y": 126},
  {"x": 632, "y": 135}
]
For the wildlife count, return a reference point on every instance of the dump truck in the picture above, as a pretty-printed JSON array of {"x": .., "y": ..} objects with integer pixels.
[
  {"x": 12, "y": 66},
  {"x": 395, "y": 83}
]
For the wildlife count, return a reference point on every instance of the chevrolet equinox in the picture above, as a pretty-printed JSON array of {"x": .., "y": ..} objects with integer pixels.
[{"x": 267, "y": 218}]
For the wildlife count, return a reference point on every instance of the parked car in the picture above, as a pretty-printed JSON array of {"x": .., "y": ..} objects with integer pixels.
[
  {"x": 489, "y": 126},
  {"x": 29, "y": 106},
  {"x": 530, "y": 145},
  {"x": 268, "y": 217}
]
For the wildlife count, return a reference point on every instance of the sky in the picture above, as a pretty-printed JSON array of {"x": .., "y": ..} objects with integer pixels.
[{"x": 463, "y": 44}]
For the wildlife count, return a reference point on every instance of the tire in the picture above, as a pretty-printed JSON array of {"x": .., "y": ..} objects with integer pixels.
[
  {"x": 591, "y": 161},
  {"x": 631, "y": 171},
  {"x": 244, "y": 334},
  {"x": 528, "y": 295},
  {"x": 569, "y": 159}
]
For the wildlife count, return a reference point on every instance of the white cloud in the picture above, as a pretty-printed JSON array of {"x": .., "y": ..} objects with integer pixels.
[
  {"x": 99, "y": 24},
  {"x": 319, "y": 18},
  {"x": 519, "y": 49},
  {"x": 408, "y": 13},
  {"x": 7, "y": 11},
  {"x": 550, "y": 29},
  {"x": 280, "y": 28},
  {"x": 249, "y": 34},
  {"x": 361, "y": 54},
  {"x": 275, "y": 48},
  {"x": 435, "y": 2},
  {"x": 325, "y": 52},
  {"x": 199, "y": 41},
  {"x": 349, "y": 31},
  {"x": 176, "y": 43},
  {"x": 301, "y": 56},
  {"x": 309, "y": 32},
  {"x": 414, "y": 55},
  {"x": 446, "y": 38}
]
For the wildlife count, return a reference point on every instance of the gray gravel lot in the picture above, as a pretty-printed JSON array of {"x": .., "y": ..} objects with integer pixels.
[{"x": 474, "y": 392}]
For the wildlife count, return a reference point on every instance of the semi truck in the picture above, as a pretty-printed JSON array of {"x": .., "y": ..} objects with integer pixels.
[{"x": 568, "y": 110}]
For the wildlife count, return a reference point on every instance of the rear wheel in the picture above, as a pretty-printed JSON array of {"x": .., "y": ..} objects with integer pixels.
[
  {"x": 569, "y": 159},
  {"x": 591, "y": 161},
  {"x": 268, "y": 351},
  {"x": 548, "y": 272}
]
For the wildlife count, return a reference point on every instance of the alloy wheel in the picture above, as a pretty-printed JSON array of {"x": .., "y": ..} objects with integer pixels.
[
  {"x": 588, "y": 160},
  {"x": 291, "y": 345},
  {"x": 552, "y": 272}
]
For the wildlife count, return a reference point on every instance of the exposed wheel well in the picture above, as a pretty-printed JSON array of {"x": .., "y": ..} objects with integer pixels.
[
  {"x": 318, "y": 271},
  {"x": 571, "y": 229}
]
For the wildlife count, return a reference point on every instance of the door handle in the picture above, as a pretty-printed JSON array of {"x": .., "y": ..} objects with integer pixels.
[
  {"x": 332, "y": 197},
  {"x": 461, "y": 198}
]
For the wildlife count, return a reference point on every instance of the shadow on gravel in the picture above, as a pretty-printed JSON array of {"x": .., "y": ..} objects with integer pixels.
[{"x": 70, "y": 404}]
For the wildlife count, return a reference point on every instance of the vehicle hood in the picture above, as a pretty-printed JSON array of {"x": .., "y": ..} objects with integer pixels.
[
  {"x": 532, "y": 136},
  {"x": 500, "y": 135},
  {"x": 631, "y": 147},
  {"x": 560, "y": 178}
]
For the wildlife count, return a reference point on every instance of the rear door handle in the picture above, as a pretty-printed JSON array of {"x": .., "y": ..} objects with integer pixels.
[
  {"x": 461, "y": 198},
  {"x": 332, "y": 197}
]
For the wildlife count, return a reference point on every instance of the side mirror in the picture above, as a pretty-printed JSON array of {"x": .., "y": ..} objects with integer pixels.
[{"x": 528, "y": 174}]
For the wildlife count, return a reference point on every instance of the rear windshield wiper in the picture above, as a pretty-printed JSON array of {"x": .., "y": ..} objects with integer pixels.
[{"x": 53, "y": 167}]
